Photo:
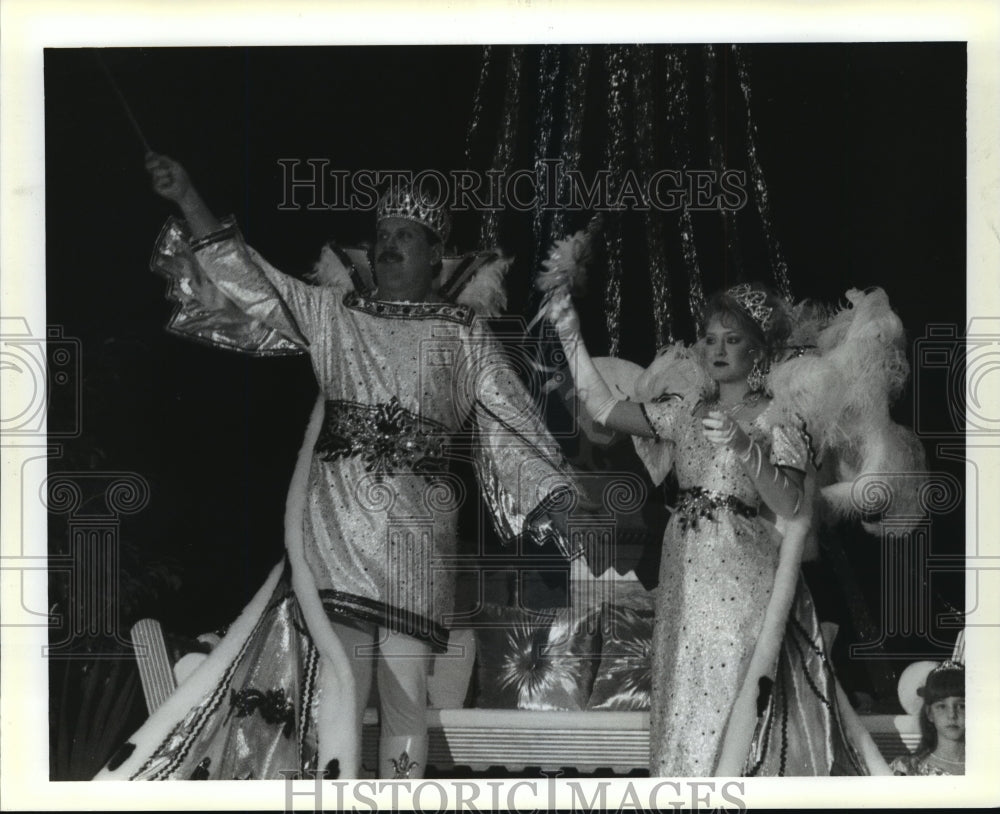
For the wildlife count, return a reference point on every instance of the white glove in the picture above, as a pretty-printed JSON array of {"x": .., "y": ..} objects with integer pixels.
[{"x": 590, "y": 385}]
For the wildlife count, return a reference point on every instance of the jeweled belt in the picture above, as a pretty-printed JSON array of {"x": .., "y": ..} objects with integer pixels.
[
  {"x": 389, "y": 438},
  {"x": 696, "y": 503}
]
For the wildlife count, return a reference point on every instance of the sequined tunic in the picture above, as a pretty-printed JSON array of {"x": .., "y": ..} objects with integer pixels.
[
  {"x": 399, "y": 380},
  {"x": 716, "y": 575},
  {"x": 925, "y": 765}
]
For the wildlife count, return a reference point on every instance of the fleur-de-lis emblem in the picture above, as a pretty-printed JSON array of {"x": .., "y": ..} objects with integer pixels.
[{"x": 403, "y": 766}]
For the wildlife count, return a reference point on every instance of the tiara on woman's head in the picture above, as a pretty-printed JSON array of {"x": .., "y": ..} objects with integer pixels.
[{"x": 754, "y": 303}]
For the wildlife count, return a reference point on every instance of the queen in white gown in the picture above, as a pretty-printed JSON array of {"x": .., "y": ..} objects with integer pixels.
[{"x": 741, "y": 680}]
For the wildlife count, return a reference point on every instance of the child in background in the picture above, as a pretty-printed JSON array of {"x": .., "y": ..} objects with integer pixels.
[{"x": 942, "y": 725}]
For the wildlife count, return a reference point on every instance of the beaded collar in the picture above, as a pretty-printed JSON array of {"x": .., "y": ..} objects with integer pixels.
[{"x": 408, "y": 310}]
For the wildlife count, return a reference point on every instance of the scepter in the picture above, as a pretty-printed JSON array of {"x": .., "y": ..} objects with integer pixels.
[{"x": 124, "y": 102}]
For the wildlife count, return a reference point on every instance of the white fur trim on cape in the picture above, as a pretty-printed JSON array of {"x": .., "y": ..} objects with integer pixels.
[
  {"x": 201, "y": 682},
  {"x": 794, "y": 534},
  {"x": 743, "y": 717},
  {"x": 339, "y": 731}
]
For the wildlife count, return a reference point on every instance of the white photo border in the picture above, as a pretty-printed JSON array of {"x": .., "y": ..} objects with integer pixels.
[{"x": 29, "y": 26}]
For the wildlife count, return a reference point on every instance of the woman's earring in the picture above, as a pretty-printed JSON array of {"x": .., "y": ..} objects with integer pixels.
[{"x": 755, "y": 379}]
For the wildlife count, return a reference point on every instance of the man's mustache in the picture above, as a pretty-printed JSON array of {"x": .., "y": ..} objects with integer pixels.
[{"x": 390, "y": 256}]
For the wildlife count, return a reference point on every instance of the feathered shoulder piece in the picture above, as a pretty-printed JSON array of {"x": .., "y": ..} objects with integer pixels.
[
  {"x": 676, "y": 371},
  {"x": 845, "y": 364},
  {"x": 842, "y": 379},
  {"x": 342, "y": 269},
  {"x": 475, "y": 280}
]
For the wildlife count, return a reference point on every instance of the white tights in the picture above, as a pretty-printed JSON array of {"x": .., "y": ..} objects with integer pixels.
[{"x": 402, "y": 666}]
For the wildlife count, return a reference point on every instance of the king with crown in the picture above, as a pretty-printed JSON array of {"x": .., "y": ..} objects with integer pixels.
[{"x": 405, "y": 364}]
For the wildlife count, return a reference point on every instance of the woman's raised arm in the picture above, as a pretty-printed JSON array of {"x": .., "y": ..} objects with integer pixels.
[{"x": 615, "y": 414}]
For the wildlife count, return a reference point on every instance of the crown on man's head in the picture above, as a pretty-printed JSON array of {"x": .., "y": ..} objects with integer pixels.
[
  {"x": 754, "y": 303},
  {"x": 403, "y": 201}
]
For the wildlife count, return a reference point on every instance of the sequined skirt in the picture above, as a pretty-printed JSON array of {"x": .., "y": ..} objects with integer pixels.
[
  {"x": 716, "y": 576},
  {"x": 381, "y": 518}
]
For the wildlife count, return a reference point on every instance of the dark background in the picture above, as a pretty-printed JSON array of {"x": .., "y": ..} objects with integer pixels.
[{"x": 863, "y": 148}]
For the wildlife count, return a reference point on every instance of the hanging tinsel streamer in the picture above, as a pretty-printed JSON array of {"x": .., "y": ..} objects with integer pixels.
[
  {"x": 717, "y": 158},
  {"x": 548, "y": 74},
  {"x": 574, "y": 107},
  {"x": 678, "y": 112},
  {"x": 642, "y": 92},
  {"x": 617, "y": 72},
  {"x": 778, "y": 264},
  {"x": 477, "y": 103},
  {"x": 490, "y": 230}
]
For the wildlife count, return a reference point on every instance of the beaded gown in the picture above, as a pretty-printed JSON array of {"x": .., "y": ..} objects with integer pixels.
[{"x": 715, "y": 618}]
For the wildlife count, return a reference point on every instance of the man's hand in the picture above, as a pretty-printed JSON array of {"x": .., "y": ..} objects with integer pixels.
[
  {"x": 548, "y": 522},
  {"x": 170, "y": 179}
]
